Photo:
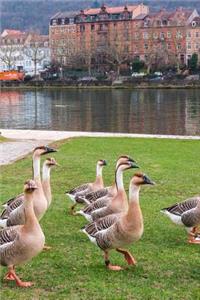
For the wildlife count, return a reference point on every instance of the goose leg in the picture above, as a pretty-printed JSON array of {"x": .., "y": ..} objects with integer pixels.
[
  {"x": 108, "y": 264},
  {"x": 11, "y": 273},
  {"x": 72, "y": 212},
  {"x": 128, "y": 257}
]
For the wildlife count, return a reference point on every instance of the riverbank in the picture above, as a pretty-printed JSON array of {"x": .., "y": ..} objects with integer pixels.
[
  {"x": 22, "y": 142},
  {"x": 134, "y": 84}
]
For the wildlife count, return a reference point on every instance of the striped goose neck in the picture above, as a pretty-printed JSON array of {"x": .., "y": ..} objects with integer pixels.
[{"x": 36, "y": 167}]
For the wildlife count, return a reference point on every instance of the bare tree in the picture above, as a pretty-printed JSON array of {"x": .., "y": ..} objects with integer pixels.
[
  {"x": 8, "y": 55},
  {"x": 34, "y": 49}
]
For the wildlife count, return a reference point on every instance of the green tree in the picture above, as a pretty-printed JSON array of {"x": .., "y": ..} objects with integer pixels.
[
  {"x": 192, "y": 64},
  {"x": 137, "y": 65}
]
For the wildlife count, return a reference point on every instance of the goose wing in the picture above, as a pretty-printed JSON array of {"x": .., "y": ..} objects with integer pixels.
[
  {"x": 80, "y": 189},
  {"x": 11, "y": 205},
  {"x": 101, "y": 224},
  {"x": 182, "y": 207},
  {"x": 93, "y": 196},
  {"x": 99, "y": 203}
]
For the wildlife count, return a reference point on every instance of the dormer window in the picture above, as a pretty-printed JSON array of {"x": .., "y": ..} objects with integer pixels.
[
  {"x": 164, "y": 22},
  {"x": 158, "y": 22},
  {"x": 54, "y": 22}
]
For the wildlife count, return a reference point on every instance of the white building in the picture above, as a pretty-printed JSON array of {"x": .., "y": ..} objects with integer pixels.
[{"x": 26, "y": 51}]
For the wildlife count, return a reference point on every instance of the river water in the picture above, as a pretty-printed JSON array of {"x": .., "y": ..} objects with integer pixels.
[{"x": 153, "y": 111}]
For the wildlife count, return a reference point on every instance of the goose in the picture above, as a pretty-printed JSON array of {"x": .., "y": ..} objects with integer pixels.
[
  {"x": 13, "y": 213},
  {"x": 187, "y": 214},
  {"x": 77, "y": 193},
  {"x": 19, "y": 244},
  {"x": 97, "y": 201},
  {"x": 48, "y": 164},
  {"x": 109, "y": 191},
  {"x": 121, "y": 229},
  {"x": 119, "y": 202}
]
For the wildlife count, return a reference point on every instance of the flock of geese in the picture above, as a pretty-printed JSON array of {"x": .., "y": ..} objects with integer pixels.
[{"x": 115, "y": 220}]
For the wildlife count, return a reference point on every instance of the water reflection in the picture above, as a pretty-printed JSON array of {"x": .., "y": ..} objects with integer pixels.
[{"x": 136, "y": 111}]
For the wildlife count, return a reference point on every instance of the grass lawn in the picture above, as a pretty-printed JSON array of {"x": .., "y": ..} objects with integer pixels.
[
  {"x": 168, "y": 267},
  {"x": 3, "y": 139}
]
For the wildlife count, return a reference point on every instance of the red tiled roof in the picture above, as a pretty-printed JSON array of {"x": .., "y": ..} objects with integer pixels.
[
  {"x": 13, "y": 32},
  {"x": 110, "y": 10}
]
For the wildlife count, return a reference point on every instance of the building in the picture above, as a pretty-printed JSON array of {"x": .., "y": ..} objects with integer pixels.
[
  {"x": 23, "y": 50},
  {"x": 95, "y": 30},
  {"x": 193, "y": 38},
  {"x": 119, "y": 34}
]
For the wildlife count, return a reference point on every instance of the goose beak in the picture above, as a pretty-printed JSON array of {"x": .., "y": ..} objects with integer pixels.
[
  {"x": 133, "y": 165},
  {"x": 147, "y": 180},
  {"x": 132, "y": 160},
  {"x": 49, "y": 150},
  {"x": 105, "y": 163}
]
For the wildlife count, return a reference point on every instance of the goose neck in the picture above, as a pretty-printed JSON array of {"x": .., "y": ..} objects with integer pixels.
[
  {"x": 134, "y": 191},
  {"x": 36, "y": 167},
  {"x": 119, "y": 179}
]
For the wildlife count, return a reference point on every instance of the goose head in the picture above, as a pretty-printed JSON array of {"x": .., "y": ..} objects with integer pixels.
[
  {"x": 141, "y": 179},
  {"x": 50, "y": 162},
  {"x": 30, "y": 186},
  {"x": 42, "y": 150},
  {"x": 124, "y": 158},
  {"x": 102, "y": 163},
  {"x": 127, "y": 165}
]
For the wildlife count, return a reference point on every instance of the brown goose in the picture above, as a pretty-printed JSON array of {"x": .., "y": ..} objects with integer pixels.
[
  {"x": 13, "y": 213},
  {"x": 119, "y": 202},
  {"x": 48, "y": 164},
  {"x": 21, "y": 243},
  {"x": 77, "y": 193},
  {"x": 117, "y": 230},
  {"x": 186, "y": 213}
]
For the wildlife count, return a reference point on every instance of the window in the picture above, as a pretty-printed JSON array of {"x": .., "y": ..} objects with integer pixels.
[
  {"x": 168, "y": 46},
  {"x": 169, "y": 35},
  {"x": 92, "y": 27},
  {"x": 82, "y": 28},
  {"x": 137, "y": 35},
  {"x": 197, "y": 34},
  {"x": 179, "y": 35},
  {"x": 146, "y": 46},
  {"x": 158, "y": 22},
  {"x": 179, "y": 46},
  {"x": 164, "y": 22},
  {"x": 197, "y": 46},
  {"x": 54, "y": 22},
  {"x": 155, "y": 35},
  {"x": 189, "y": 46},
  {"x": 162, "y": 35},
  {"x": 145, "y": 35},
  {"x": 188, "y": 34}
]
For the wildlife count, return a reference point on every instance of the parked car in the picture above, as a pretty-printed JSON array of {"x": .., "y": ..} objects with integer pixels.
[{"x": 136, "y": 74}]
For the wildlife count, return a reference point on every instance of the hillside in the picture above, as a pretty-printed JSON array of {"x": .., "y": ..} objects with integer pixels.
[{"x": 35, "y": 15}]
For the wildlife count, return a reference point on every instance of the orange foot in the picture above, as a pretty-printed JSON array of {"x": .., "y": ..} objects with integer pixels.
[
  {"x": 114, "y": 268},
  {"x": 194, "y": 241},
  {"x": 9, "y": 276},
  {"x": 24, "y": 283},
  {"x": 128, "y": 257}
]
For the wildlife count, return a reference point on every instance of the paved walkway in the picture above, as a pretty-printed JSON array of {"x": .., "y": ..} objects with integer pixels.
[{"x": 25, "y": 140}]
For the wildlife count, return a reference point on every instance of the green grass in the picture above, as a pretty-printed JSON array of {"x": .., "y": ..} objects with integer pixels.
[
  {"x": 3, "y": 139},
  {"x": 168, "y": 267}
]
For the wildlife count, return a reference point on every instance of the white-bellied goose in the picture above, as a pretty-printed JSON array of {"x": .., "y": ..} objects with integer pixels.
[
  {"x": 186, "y": 213},
  {"x": 13, "y": 213},
  {"x": 118, "y": 230},
  {"x": 119, "y": 202},
  {"x": 19, "y": 244},
  {"x": 99, "y": 202},
  {"x": 75, "y": 194}
]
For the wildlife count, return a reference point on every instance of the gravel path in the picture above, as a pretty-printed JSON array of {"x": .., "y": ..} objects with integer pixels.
[
  {"x": 26, "y": 140},
  {"x": 14, "y": 150}
]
